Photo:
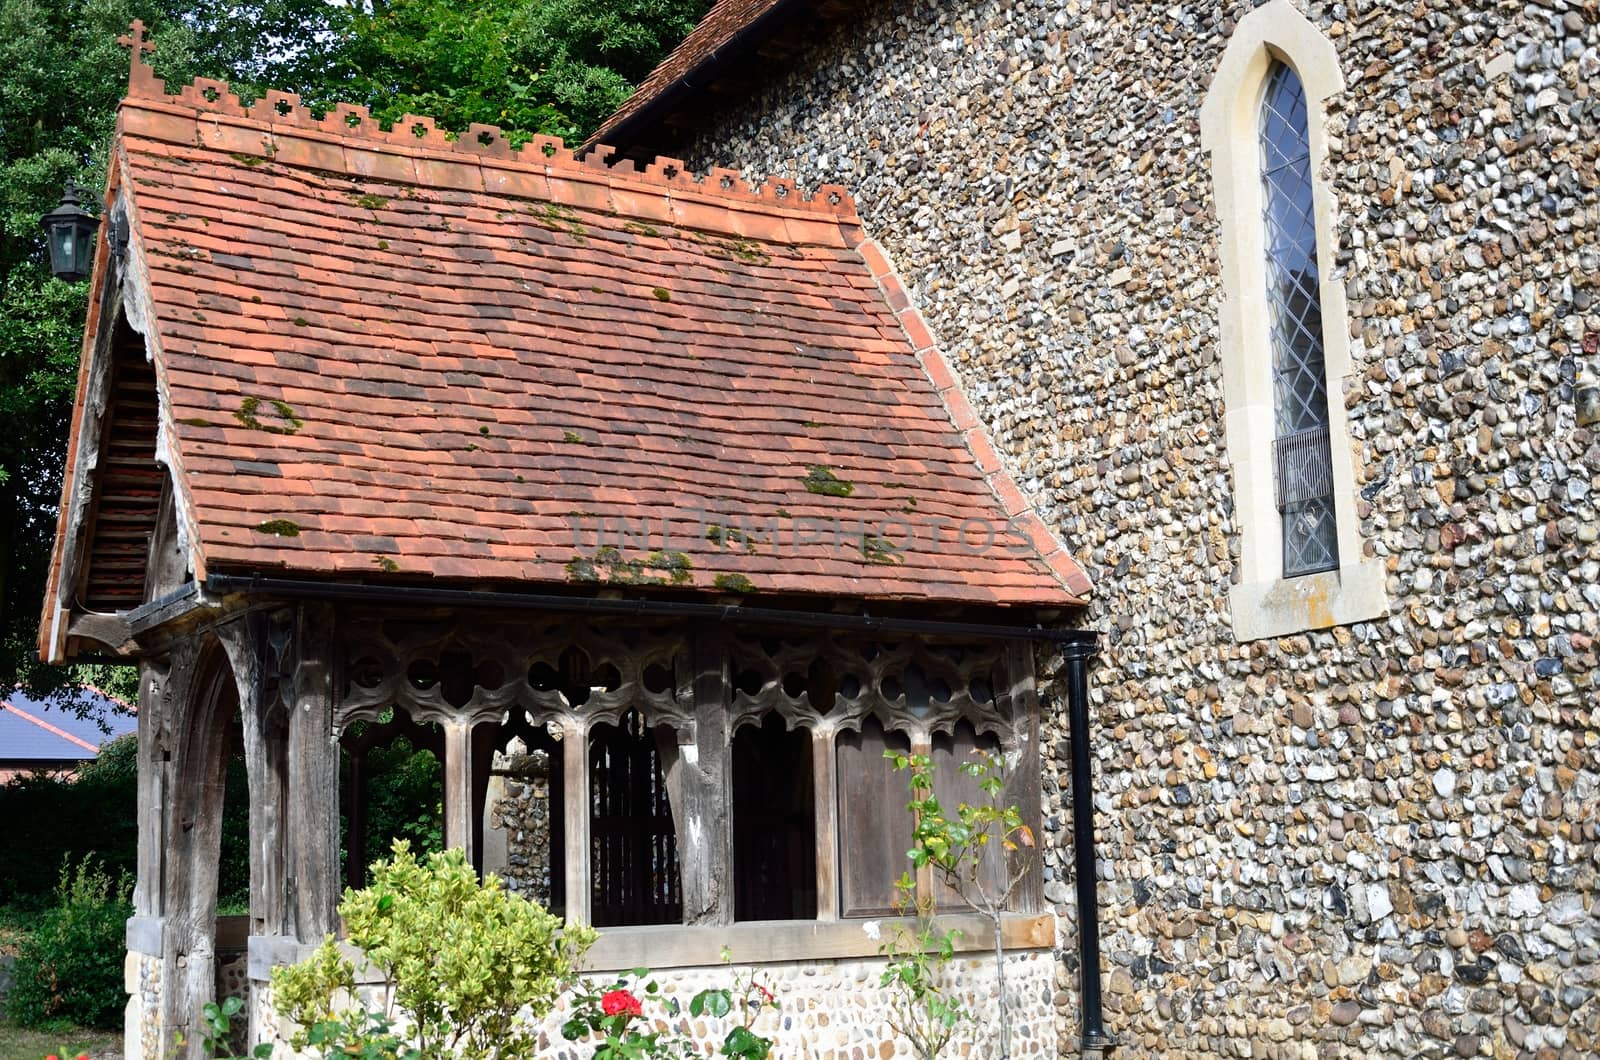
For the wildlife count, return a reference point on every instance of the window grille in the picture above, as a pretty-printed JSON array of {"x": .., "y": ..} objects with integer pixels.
[{"x": 1302, "y": 455}]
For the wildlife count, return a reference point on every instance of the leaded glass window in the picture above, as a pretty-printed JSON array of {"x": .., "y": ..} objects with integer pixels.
[{"x": 1302, "y": 458}]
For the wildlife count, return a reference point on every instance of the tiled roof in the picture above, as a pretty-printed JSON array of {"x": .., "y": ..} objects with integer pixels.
[
  {"x": 36, "y": 730},
  {"x": 722, "y": 25},
  {"x": 393, "y": 356}
]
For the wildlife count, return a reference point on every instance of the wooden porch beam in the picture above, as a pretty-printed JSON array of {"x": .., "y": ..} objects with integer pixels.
[{"x": 312, "y": 826}]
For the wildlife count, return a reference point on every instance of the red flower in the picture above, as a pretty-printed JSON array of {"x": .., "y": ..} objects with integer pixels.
[
  {"x": 620, "y": 1003},
  {"x": 765, "y": 993}
]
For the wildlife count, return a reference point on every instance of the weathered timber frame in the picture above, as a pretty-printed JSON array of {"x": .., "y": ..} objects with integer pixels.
[
  {"x": 700, "y": 683},
  {"x": 301, "y": 673}
]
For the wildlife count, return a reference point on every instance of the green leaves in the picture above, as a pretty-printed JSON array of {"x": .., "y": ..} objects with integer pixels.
[
  {"x": 744, "y": 1043},
  {"x": 528, "y": 66},
  {"x": 953, "y": 847},
  {"x": 711, "y": 1002},
  {"x": 464, "y": 957}
]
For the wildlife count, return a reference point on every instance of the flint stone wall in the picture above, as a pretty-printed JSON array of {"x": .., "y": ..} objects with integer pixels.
[
  {"x": 829, "y": 1010},
  {"x": 519, "y": 810},
  {"x": 1372, "y": 840}
]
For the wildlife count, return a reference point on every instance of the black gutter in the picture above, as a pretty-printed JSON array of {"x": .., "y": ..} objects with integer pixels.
[
  {"x": 1095, "y": 1040},
  {"x": 428, "y": 596},
  {"x": 699, "y": 76}
]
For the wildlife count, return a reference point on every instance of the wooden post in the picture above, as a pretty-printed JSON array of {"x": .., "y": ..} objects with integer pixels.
[
  {"x": 482, "y": 764},
  {"x": 705, "y": 844},
  {"x": 312, "y": 855},
  {"x": 825, "y": 782},
  {"x": 1023, "y": 776},
  {"x": 264, "y": 724},
  {"x": 575, "y": 791},
  {"x": 458, "y": 785},
  {"x": 149, "y": 881},
  {"x": 194, "y": 747},
  {"x": 922, "y": 744}
]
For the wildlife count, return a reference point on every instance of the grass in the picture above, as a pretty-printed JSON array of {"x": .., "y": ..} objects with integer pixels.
[{"x": 19, "y": 1044}]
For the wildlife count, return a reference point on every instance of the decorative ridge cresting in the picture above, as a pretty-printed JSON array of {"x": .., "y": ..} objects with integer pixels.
[{"x": 281, "y": 114}]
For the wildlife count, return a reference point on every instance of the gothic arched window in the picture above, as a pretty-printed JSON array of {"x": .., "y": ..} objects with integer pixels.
[
  {"x": 1284, "y": 334},
  {"x": 1302, "y": 457}
]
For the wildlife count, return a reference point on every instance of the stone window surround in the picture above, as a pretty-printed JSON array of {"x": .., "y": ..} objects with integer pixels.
[{"x": 1263, "y": 602}]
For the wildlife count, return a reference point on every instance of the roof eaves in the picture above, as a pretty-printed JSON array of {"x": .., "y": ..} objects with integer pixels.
[
  {"x": 1022, "y": 515},
  {"x": 648, "y": 102}
]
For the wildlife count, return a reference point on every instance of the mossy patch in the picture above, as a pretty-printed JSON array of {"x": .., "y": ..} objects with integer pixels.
[
  {"x": 821, "y": 479},
  {"x": 369, "y": 201},
  {"x": 639, "y": 228},
  {"x": 248, "y": 160},
  {"x": 574, "y": 437},
  {"x": 662, "y": 294},
  {"x": 875, "y": 549},
  {"x": 251, "y": 405},
  {"x": 558, "y": 218},
  {"x": 198, "y": 421},
  {"x": 301, "y": 322},
  {"x": 386, "y": 564},
  {"x": 582, "y": 570},
  {"x": 730, "y": 536},
  {"x": 675, "y": 564},
  {"x": 279, "y": 528},
  {"x": 733, "y": 583},
  {"x": 660, "y": 567},
  {"x": 745, "y": 250}
]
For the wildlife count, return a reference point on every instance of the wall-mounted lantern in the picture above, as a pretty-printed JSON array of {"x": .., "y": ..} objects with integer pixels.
[{"x": 69, "y": 232}]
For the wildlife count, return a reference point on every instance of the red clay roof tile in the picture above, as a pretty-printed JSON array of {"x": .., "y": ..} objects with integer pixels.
[{"x": 392, "y": 355}]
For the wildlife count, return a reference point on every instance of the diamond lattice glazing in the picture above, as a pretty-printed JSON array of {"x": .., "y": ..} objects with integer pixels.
[{"x": 1299, "y": 375}]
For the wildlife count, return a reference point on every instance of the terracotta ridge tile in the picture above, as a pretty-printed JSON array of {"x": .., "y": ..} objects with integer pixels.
[
  {"x": 347, "y": 139},
  {"x": 1023, "y": 516}
]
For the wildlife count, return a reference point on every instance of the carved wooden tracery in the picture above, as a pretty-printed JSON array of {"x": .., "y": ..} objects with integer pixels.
[
  {"x": 545, "y": 672},
  {"x": 551, "y": 680},
  {"x": 822, "y": 681}
]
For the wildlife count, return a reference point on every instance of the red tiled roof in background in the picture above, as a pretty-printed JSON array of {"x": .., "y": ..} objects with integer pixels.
[
  {"x": 392, "y": 356},
  {"x": 722, "y": 25}
]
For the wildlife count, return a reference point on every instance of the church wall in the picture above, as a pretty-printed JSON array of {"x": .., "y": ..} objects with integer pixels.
[{"x": 1375, "y": 839}]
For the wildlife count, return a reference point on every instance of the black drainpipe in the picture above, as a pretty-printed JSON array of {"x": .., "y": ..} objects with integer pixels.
[{"x": 1078, "y": 653}]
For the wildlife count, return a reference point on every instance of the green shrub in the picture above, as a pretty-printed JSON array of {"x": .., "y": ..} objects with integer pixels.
[
  {"x": 70, "y": 970},
  {"x": 463, "y": 958}
]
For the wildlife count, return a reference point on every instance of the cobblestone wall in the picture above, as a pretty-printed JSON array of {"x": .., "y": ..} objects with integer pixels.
[
  {"x": 1377, "y": 839},
  {"x": 829, "y": 1010},
  {"x": 519, "y": 809},
  {"x": 141, "y": 1018}
]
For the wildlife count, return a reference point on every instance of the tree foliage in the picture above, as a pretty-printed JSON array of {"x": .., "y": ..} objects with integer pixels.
[
  {"x": 61, "y": 75},
  {"x": 529, "y": 66}
]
